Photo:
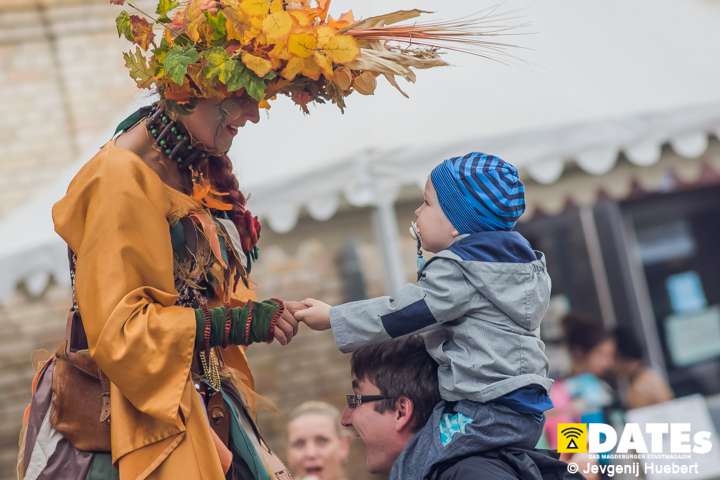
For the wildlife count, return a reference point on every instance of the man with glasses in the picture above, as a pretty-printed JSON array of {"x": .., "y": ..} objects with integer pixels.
[{"x": 395, "y": 388}]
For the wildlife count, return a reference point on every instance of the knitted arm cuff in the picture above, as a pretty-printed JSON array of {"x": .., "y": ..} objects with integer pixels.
[{"x": 263, "y": 317}]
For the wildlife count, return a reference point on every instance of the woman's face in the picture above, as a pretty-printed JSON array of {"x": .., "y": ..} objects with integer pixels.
[
  {"x": 600, "y": 360},
  {"x": 215, "y": 123},
  {"x": 315, "y": 449}
]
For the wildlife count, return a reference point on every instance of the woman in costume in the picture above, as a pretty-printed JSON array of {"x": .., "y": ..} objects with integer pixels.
[{"x": 152, "y": 381}]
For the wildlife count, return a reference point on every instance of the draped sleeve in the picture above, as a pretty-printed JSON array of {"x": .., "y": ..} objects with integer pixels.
[{"x": 115, "y": 218}]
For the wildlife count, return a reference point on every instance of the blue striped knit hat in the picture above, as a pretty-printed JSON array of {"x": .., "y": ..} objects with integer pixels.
[{"x": 479, "y": 192}]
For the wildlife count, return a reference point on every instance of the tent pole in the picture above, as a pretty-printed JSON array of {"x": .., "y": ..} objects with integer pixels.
[{"x": 386, "y": 235}]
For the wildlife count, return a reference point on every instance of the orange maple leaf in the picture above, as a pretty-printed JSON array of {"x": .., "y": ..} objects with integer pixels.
[{"x": 142, "y": 31}]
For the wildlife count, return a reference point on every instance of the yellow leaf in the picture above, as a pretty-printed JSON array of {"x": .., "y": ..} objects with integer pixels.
[
  {"x": 277, "y": 6},
  {"x": 301, "y": 17},
  {"x": 342, "y": 49},
  {"x": 311, "y": 69},
  {"x": 297, "y": 4},
  {"x": 258, "y": 65},
  {"x": 279, "y": 52},
  {"x": 255, "y": 8},
  {"x": 235, "y": 23},
  {"x": 264, "y": 104},
  {"x": 194, "y": 18},
  {"x": 324, "y": 34},
  {"x": 325, "y": 64},
  {"x": 293, "y": 67},
  {"x": 277, "y": 26},
  {"x": 305, "y": 66},
  {"x": 323, "y": 7},
  {"x": 345, "y": 20},
  {"x": 302, "y": 44}
]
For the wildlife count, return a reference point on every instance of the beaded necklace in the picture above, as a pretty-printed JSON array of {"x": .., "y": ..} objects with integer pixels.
[{"x": 172, "y": 139}]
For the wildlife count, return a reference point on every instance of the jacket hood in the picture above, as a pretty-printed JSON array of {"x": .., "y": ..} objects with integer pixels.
[{"x": 505, "y": 269}]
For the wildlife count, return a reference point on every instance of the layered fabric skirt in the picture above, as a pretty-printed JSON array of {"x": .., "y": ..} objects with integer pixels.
[{"x": 45, "y": 454}]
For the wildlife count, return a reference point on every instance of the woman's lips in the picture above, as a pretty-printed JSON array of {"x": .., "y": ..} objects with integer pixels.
[{"x": 232, "y": 130}]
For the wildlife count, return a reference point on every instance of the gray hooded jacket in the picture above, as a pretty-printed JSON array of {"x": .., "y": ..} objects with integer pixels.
[{"x": 478, "y": 305}]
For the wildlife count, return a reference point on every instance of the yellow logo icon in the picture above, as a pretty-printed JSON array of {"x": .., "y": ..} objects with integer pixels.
[{"x": 572, "y": 438}]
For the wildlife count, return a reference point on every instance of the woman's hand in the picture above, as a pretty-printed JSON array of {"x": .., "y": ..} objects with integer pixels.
[
  {"x": 316, "y": 315},
  {"x": 286, "y": 327}
]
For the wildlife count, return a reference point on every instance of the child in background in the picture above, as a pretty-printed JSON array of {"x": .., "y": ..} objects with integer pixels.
[{"x": 478, "y": 303}]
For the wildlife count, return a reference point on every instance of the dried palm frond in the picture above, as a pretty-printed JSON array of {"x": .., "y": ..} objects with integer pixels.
[
  {"x": 389, "y": 49},
  {"x": 475, "y": 34}
]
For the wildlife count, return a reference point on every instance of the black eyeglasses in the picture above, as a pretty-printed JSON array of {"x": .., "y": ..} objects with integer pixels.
[{"x": 354, "y": 400}]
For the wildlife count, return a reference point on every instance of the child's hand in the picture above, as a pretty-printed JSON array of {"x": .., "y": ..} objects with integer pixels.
[{"x": 316, "y": 315}]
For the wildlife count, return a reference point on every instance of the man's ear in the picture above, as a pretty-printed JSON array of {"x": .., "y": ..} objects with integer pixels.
[{"x": 404, "y": 410}]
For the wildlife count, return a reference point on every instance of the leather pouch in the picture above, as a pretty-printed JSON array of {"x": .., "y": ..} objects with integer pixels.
[{"x": 80, "y": 400}]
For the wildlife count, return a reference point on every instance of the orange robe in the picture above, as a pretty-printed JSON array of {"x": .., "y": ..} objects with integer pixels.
[{"x": 115, "y": 217}]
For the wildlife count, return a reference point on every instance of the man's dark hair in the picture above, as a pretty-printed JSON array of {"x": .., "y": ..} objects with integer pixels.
[{"x": 400, "y": 367}]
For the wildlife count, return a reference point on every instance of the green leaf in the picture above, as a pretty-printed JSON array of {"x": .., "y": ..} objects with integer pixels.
[
  {"x": 164, "y": 6},
  {"x": 239, "y": 79},
  {"x": 158, "y": 60},
  {"x": 139, "y": 69},
  {"x": 217, "y": 23},
  {"x": 124, "y": 26},
  {"x": 220, "y": 66},
  {"x": 256, "y": 88},
  {"x": 183, "y": 40},
  {"x": 270, "y": 75},
  {"x": 177, "y": 60}
]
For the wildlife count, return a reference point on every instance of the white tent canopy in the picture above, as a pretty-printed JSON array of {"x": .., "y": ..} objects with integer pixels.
[{"x": 597, "y": 78}]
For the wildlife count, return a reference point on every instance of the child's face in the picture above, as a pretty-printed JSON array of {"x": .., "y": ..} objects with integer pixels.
[{"x": 435, "y": 230}]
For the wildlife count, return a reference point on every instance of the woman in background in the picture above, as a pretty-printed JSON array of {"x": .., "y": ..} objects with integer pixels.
[
  {"x": 644, "y": 385},
  {"x": 318, "y": 446}
]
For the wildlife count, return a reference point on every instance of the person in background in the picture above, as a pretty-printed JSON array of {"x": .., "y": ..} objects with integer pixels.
[
  {"x": 644, "y": 385},
  {"x": 318, "y": 446},
  {"x": 583, "y": 395}
]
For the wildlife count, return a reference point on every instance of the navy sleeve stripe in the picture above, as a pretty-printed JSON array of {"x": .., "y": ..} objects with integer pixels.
[{"x": 407, "y": 320}]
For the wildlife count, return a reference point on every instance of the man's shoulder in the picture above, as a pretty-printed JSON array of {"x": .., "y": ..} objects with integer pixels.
[{"x": 470, "y": 467}]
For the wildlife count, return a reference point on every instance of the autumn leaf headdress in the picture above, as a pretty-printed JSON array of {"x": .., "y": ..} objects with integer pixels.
[{"x": 217, "y": 48}]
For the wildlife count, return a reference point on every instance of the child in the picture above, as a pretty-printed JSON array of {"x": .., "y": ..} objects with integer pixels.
[{"x": 478, "y": 303}]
